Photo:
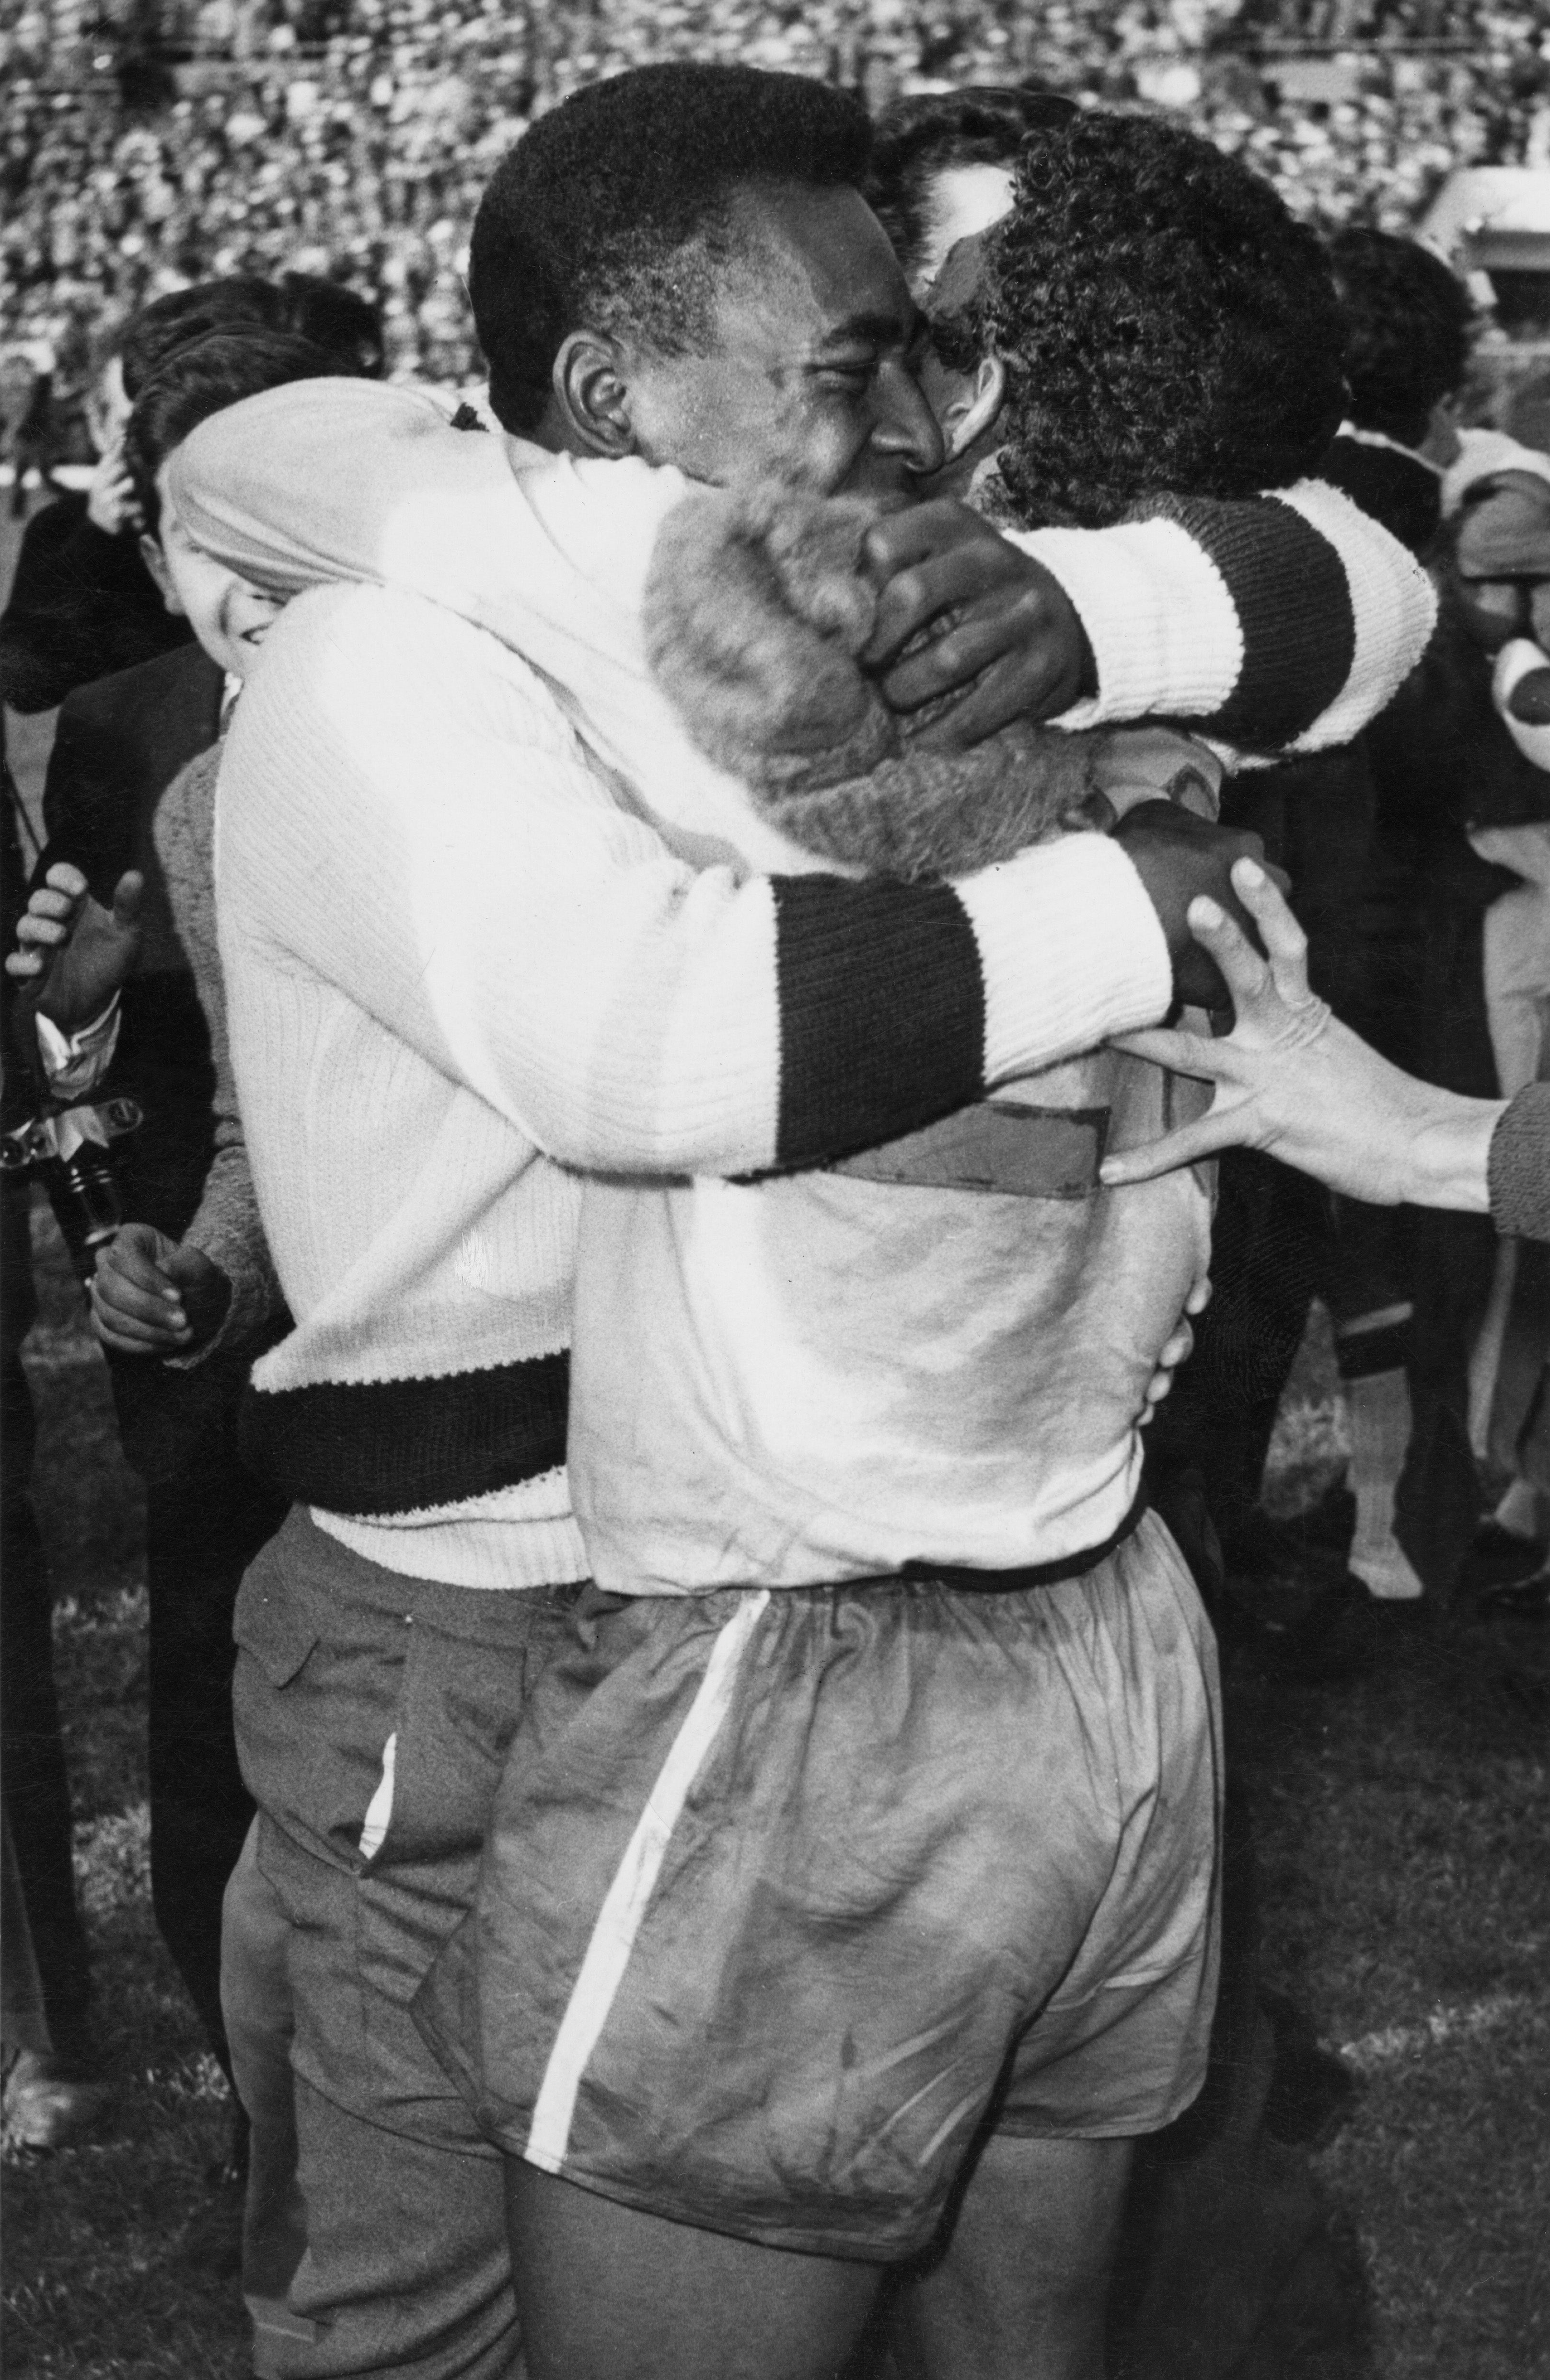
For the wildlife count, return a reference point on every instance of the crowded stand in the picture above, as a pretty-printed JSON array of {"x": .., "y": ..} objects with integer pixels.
[
  {"x": 788, "y": 803},
  {"x": 243, "y": 136}
]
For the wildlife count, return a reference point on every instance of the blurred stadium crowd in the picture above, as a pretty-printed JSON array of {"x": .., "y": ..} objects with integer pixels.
[{"x": 150, "y": 142}]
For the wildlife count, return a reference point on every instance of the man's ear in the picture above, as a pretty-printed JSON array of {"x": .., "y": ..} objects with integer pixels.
[
  {"x": 593, "y": 397},
  {"x": 155, "y": 562},
  {"x": 971, "y": 415}
]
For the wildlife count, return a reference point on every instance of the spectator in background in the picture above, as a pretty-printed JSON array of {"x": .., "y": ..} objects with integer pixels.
[
  {"x": 51, "y": 2087},
  {"x": 1503, "y": 556},
  {"x": 117, "y": 809},
  {"x": 1410, "y": 324},
  {"x": 1407, "y": 321},
  {"x": 1446, "y": 773},
  {"x": 34, "y": 439},
  {"x": 83, "y": 603},
  {"x": 364, "y": 160}
]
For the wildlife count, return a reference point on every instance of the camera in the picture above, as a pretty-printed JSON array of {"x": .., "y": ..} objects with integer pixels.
[{"x": 71, "y": 1150}]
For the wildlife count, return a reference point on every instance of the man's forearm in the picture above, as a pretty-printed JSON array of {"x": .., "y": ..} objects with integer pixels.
[
  {"x": 405, "y": 820},
  {"x": 1284, "y": 621}
]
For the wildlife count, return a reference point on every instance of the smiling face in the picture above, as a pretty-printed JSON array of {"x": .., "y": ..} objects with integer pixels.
[
  {"x": 229, "y": 617},
  {"x": 810, "y": 372}
]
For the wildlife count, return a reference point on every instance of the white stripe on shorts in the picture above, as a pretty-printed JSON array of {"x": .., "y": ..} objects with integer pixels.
[{"x": 608, "y": 1952}]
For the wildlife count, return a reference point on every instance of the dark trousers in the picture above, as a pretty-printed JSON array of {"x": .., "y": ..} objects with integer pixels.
[
  {"x": 204, "y": 1524},
  {"x": 1226, "y": 2238},
  {"x": 406, "y": 2268},
  {"x": 1270, "y": 1245},
  {"x": 36, "y": 1792}
]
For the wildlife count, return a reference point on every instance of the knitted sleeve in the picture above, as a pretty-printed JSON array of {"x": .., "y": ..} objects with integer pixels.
[
  {"x": 1283, "y": 623},
  {"x": 1519, "y": 1166},
  {"x": 405, "y": 814},
  {"x": 225, "y": 1227}
]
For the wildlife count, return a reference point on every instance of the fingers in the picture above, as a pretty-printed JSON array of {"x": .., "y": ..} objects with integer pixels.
[
  {"x": 1175, "y": 1348},
  {"x": 127, "y": 1338},
  {"x": 135, "y": 1307},
  {"x": 42, "y": 933},
  {"x": 1243, "y": 971},
  {"x": 1182, "y": 1054},
  {"x": 913, "y": 598},
  {"x": 953, "y": 659},
  {"x": 22, "y": 965},
  {"x": 1282, "y": 936},
  {"x": 128, "y": 896},
  {"x": 1207, "y": 1136},
  {"x": 903, "y": 538},
  {"x": 58, "y": 908},
  {"x": 51, "y": 911},
  {"x": 1199, "y": 1298}
]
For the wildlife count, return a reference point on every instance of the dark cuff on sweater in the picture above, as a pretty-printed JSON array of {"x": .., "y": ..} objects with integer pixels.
[
  {"x": 882, "y": 1014},
  {"x": 1290, "y": 589},
  {"x": 1519, "y": 1166}
]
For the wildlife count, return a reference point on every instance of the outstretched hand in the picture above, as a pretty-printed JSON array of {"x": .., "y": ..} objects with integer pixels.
[
  {"x": 73, "y": 954},
  {"x": 1292, "y": 1079}
]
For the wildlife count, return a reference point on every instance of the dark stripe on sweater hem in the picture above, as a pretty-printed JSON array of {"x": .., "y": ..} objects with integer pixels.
[
  {"x": 1294, "y": 601},
  {"x": 370, "y": 1449},
  {"x": 882, "y": 1012}
]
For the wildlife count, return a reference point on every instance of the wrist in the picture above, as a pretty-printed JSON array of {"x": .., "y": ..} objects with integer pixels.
[{"x": 1448, "y": 1156}]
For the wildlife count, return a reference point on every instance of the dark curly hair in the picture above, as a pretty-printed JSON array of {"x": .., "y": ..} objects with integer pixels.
[
  {"x": 1166, "y": 323},
  {"x": 614, "y": 209},
  {"x": 1407, "y": 321},
  {"x": 930, "y": 133}
]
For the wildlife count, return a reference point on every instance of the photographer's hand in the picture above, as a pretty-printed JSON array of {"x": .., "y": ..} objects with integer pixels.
[
  {"x": 71, "y": 952},
  {"x": 151, "y": 1296},
  {"x": 111, "y": 503}
]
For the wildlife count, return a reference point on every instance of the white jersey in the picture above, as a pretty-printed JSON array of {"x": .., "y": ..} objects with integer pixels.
[{"x": 830, "y": 1376}]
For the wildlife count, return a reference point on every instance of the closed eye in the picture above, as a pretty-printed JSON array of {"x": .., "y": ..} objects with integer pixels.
[{"x": 855, "y": 378}]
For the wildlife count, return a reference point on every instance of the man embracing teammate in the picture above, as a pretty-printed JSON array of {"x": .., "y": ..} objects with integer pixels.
[{"x": 460, "y": 971}]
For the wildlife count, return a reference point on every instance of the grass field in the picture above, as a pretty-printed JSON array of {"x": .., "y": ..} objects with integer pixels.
[{"x": 1402, "y": 1821}]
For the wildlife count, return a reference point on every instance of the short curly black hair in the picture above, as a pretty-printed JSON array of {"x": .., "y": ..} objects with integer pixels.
[
  {"x": 928, "y": 133},
  {"x": 614, "y": 209},
  {"x": 1166, "y": 323},
  {"x": 1407, "y": 324}
]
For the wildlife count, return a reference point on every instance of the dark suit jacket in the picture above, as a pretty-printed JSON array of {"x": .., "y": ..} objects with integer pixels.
[
  {"x": 120, "y": 744},
  {"x": 1396, "y": 489},
  {"x": 81, "y": 603},
  {"x": 120, "y": 741}
]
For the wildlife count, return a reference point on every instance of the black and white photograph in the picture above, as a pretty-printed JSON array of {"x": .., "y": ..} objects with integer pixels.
[{"x": 775, "y": 1161}]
